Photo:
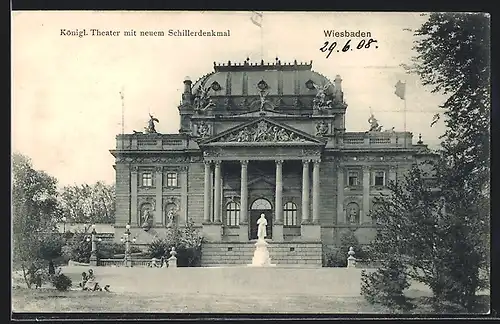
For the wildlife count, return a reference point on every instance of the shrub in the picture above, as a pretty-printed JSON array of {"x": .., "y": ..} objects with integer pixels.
[
  {"x": 78, "y": 248},
  {"x": 108, "y": 250},
  {"x": 386, "y": 285},
  {"x": 334, "y": 257},
  {"x": 61, "y": 282},
  {"x": 158, "y": 248},
  {"x": 187, "y": 242}
]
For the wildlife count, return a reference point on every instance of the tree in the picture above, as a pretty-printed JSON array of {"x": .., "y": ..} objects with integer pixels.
[
  {"x": 35, "y": 212},
  {"x": 453, "y": 56},
  {"x": 89, "y": 203},
  {"x": 442, "y": 235}
]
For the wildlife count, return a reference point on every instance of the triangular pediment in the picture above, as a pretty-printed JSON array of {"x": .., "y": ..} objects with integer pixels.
[{"x": 263, "y": 131}]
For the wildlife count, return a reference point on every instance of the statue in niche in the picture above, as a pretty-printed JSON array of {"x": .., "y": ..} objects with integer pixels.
[
  {"x": 150, "y": 129},
  {"x": 203, "y": 129},
  {"x": 374, "y": 126},
  {"x": 353, "y": 213},
  {"x": 147, "y": 219},
  {"x": 261, "y": 229},
  {"x": 321, "y": 128},
  {"x": 171, "y": 215}
]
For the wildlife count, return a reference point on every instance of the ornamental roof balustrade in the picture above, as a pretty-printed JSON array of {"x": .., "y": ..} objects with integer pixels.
[
  {"x": 365, "y": 140},
  {"x": 151, "y": 142}
]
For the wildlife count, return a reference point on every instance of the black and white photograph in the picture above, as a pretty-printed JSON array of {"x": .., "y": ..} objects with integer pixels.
[{"x": 250, "y": 162}]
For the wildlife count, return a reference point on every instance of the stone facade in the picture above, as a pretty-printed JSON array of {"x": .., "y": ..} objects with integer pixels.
[{"x": 253, "y": 139}]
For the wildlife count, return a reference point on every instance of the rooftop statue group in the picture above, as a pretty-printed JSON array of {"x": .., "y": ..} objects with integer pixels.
[{"x": 150, "y": 128}]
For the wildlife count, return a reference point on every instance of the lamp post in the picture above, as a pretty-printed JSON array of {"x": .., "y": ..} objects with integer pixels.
[
  {"x": 64, "y": 224},
  {"x": 93, "y": 253},
  {"x": 126, "y": 238}
]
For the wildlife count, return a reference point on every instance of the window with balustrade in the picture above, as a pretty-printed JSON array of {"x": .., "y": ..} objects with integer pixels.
[
  {"x": 290, "y": 214},
  {"x": 232, "y": 214}
]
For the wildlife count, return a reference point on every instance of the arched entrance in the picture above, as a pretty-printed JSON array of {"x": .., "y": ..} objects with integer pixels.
[{"x": 261, "y": 206}]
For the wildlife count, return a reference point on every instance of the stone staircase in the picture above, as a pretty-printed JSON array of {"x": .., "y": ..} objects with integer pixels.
[{"x": 285, "y": 254}]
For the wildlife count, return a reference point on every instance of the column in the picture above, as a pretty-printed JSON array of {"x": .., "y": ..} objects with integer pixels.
[
  {"x": 217, "y": 193},
  {"x": 159, "y": 191},
  {"x": 392, "y": 173},
  {"x": 207, "y": 195},
  {"x": 340, "y": 194},
  {"x": 315, "y": 194},
  {"x": 244, "y": 192},
  {"x": 184, "y": 192},
  {"x": 279, "y": 192},
  {"x": 133, "y": 196},
  {"x": 305, "y": 191},
  {"x": 366, "y": 194}
]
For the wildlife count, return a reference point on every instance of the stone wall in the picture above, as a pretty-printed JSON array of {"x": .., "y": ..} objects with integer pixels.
[
  {"x": 295, "y": 254},
  {"x": 122, "y": 194},
  {"x": 195, "y": 192}
]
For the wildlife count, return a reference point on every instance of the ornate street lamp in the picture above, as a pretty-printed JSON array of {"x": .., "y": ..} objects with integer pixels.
[
  {"x": 93, "y": 253},
  {"x": 64, "y": 224},
  {"x": 126, "y": 238}
]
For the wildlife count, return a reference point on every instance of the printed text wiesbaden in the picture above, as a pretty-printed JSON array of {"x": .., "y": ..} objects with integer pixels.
[{"x": 346, "y": 33}]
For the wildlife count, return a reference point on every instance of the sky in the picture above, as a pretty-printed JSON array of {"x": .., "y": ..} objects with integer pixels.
[{"x": 67, "y": 107}]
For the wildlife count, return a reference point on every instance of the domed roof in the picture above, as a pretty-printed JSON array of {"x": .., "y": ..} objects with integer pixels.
[{"x": 246, "y": 79}]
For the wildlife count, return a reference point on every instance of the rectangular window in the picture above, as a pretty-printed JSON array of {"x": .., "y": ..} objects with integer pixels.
[
  {"x": 171, "y": 179},
  {"x": 147, "y": 179},
  {"x": 379, "y": 178},
  {"x": 353, "y": 178}
]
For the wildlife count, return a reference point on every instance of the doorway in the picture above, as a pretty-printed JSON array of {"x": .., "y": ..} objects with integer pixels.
[{"x": 258, "y": 207}]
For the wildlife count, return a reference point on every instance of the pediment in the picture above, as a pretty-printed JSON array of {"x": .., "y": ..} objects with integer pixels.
[{"x": 263, "y": 131}]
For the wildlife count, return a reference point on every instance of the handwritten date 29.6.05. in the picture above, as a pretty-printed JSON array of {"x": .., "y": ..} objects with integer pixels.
[{"x": 329, "y": 47}]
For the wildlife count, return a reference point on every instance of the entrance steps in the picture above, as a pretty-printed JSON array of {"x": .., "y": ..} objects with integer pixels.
[{"x": 283, "y": 254}]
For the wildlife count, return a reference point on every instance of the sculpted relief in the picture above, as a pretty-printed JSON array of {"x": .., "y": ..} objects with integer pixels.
[{"x": 263, "y": 132}]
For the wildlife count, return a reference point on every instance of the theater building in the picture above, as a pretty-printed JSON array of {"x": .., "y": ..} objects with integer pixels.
[{"x": 256, "y": 139}]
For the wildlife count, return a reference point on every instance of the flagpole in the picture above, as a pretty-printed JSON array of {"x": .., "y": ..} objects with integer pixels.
[
  {"x": 262, "y": 37},
  {"x": 404, "y": 114}
]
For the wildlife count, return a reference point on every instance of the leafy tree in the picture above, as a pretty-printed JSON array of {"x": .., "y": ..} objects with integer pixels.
[
  {"x": 448, "y": 246},
  {"x": 89, "y": 203},
  {"x": 35, "y": 211},
  {"x": 453, "y": 57}
]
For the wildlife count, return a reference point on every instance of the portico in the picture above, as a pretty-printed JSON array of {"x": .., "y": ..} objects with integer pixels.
[{"x": 296, "y": 158}]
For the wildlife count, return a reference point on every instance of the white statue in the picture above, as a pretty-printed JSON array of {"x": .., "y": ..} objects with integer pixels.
[{"x": 261, "y": 230}]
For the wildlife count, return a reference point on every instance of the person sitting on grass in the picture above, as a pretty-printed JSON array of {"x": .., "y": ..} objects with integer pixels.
[
  {"x": 92, "y": 284},
  {"x": 84, "y": 281}
]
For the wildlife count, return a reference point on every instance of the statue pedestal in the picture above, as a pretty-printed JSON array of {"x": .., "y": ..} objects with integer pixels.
[{"x": 261, "y": 255}]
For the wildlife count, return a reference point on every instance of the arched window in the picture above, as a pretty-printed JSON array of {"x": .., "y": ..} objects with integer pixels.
[
  {"x": 261, "y": 204},
  {"x": 232, "y": 214},
  {"x": 290, "y": 213}
]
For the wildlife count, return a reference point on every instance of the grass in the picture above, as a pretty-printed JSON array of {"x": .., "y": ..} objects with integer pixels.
[{"x": 223, "y": 290}]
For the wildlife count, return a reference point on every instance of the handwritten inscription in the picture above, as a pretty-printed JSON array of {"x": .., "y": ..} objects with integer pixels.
[{"x": 329, "y": 47}]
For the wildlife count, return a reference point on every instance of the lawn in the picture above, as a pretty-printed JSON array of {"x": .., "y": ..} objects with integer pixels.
[{"x": 209, "y": 290}]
